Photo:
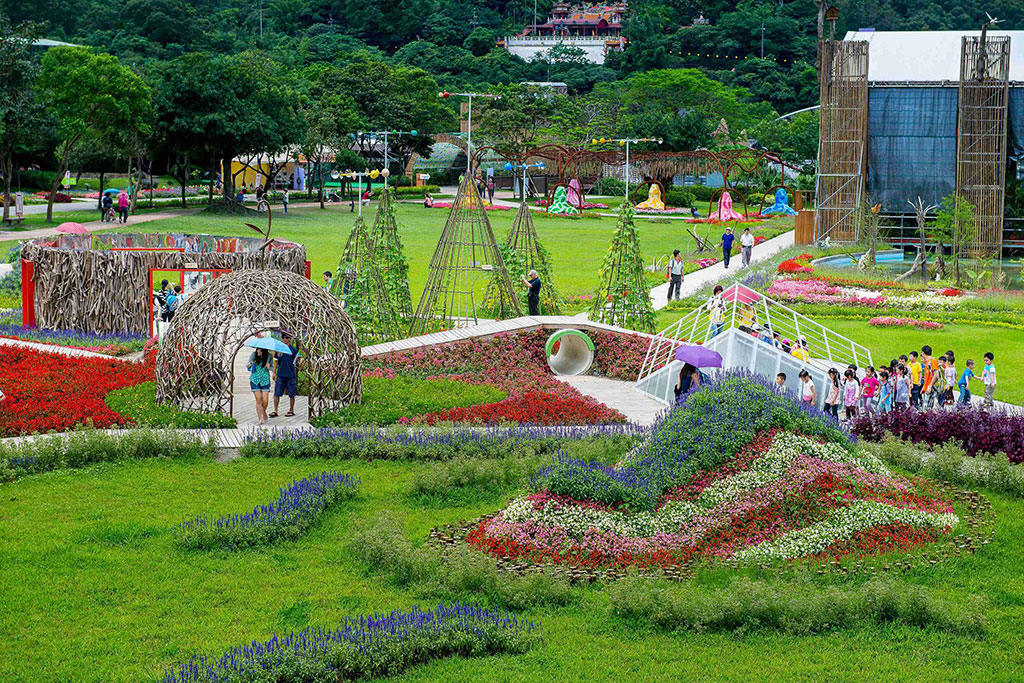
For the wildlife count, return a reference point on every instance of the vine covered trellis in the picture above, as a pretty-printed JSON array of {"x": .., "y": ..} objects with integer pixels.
[
  {"x": 359, "y": 282},
  {"x": 466, "y": 259},
  {"x": 624, "y": 298},
  {"x": 523, "y": 252},
  {"x": 391, "y": 256}
]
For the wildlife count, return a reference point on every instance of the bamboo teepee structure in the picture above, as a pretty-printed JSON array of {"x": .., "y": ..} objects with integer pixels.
[
  {"x": 391, "y": 256},
  {"x": 466, "y": 258},
  {"x": 359, "y": 283},
  {"x": 523, "y": 252},
  {"x": 624, "y": 297}
]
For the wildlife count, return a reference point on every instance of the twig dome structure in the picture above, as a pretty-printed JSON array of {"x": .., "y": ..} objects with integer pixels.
[{"x": 194, "y": 366}]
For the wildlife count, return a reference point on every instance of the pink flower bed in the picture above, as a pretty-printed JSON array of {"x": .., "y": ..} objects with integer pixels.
[
  {"x": 886, "y": 321},
  {"x": 487, "y": 207},
  {"x": 818, "y": 292}
]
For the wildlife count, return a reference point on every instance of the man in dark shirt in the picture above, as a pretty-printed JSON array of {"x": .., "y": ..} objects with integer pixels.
[
  {"x": 287, "y": 379},
  {"x": 532, "y": 280},
  {"x": 727, "y": 239}
]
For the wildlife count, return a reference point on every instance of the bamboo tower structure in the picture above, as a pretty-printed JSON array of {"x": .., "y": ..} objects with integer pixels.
[
  {"x": 391, "y": 256},
  {"x": 523, "y": 252},
  {"x": 466, "y": 258},
  {"x": 624, "y": 297},
  {"x": 359, "y": 283}
]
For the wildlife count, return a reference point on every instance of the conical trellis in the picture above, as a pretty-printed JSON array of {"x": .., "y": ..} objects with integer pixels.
[
  {"x": 466, "y": 257},
  {"x": 358, "y": 282},
  {"x": 394, "y": 266},
  {"x": 624, "y": 297},
  {"x": 523, "y": 252}
]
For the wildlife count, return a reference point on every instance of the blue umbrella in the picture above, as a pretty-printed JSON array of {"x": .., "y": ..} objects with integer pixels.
[
  {"x": 111, "y": 190},
  {"x": 699, "y": 357},
  {"x": 270, "y": 344}
]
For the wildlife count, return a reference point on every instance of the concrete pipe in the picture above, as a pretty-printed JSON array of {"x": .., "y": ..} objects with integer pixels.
[{"x": 575, "y": 352}]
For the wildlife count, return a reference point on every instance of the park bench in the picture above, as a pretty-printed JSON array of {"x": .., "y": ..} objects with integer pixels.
[{"x": 14, "y": 220}]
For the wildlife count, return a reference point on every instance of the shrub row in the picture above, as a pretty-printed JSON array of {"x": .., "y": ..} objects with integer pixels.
[
  {"x": 299, "y": 507},
  {"x": 365, "y": 647},
  {"x": 977, "y": 430},
  {"x": 370, "y": 443},
  {"x": 461, "y": 573},
  {"x": 950, "y": 462},
  {"x": 84, "y": 448},
  {"x": 794, "y": 608}
]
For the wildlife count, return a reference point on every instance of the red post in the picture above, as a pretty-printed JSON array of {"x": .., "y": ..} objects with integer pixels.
[
  {"x": 28, "y": 294},
  {"x": 309, "y": 269}
]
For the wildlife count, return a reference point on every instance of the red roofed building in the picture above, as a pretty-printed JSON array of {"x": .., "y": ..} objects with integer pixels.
[{"x": 596, "y": 30}]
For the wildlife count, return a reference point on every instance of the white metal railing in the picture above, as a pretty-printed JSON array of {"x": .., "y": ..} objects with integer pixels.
[{"x": 757, "y": 314}]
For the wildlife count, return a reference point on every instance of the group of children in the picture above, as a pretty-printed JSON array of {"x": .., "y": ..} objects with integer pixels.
[{"x": 920, "y": 381}]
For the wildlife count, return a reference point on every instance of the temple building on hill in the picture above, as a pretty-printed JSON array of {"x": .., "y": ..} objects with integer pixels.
[{"x": 597, "y": 30}]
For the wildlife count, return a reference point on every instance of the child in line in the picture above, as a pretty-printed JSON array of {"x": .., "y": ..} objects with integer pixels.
[
  {"x": 851, "y": 392},
  {"x": 902, "y": 388},
  {"x": 832, "y": 397},
  {"x": 950, "y": 378},
  {"x": 808, "y": 394},
  {"x": 885, "y": 391},
  {"x": 963, "y": 384},
  {"x": 868, "y": 391},
  {"x": 988, "y": 376}
]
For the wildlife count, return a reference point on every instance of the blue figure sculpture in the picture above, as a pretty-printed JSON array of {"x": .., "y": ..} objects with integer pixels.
[{"x": 781, "y": 205}]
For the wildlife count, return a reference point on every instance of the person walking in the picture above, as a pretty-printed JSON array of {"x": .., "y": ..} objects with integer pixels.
[
  {"x": 902, "y": 395},
  {"x": 929, "y": 369},
  {"x": 284, "y": 199},
  {"x": 532, "y": 280},
  {"x": 285, "y": 378},
  {"x": 106, "y": 204},
  {"x": 851, "y": 392},
  {"x": 746, "y": 246},
  {"x": 988, "y": 376},
  {"x": 490, "y": 190},
  {"x": 808, "y": 393},
  {"x": 868, "y": 391},
  {"x": 916, "y": 377},
  {"x": 259, "y": 381},
  {"x": 727, "y": 239},
  {"x": 675, "y": 275},
  {"x": 885, "y": 390},
  {"x": 122, "y": 207},
  {"x": 950, "y": 378},
  {"x": 832, "y": 395},
  {"x": 964, "y": 383},
  {"x": 716, "y": 309}
]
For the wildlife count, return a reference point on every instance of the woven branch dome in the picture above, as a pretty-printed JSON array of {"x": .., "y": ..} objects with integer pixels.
[{"x": 194, "y": 366}]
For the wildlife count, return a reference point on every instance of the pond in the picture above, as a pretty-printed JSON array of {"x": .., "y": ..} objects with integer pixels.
[{"x": 893, "y": 262}]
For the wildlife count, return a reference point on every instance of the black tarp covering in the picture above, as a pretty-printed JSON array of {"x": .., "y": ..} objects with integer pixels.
[
  {"x": 912, "y": 145},
  {"x": 1016, "y": 143}
]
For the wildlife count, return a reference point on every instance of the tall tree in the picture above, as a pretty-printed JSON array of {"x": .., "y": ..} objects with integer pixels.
[
  {"x": 20, "y": 111},
  {"x": 94, "y": 99},
  {"x": 331, "y": 118}
]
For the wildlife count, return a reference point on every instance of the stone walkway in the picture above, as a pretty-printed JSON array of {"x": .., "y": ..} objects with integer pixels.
[
  {"x": 638, "y": 407},
  {"x": 96, "y": 226},
  {"x": 245, "y": 401}
]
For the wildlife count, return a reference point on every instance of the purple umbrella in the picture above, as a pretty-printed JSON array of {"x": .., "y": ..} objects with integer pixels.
[{"x": 699, "y": 357}]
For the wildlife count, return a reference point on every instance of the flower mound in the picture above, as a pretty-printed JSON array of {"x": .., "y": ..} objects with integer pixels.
[
  {"x": 299, "y": 506},
  {"x": 737, "y": 471},
  {"x": 886, "y": 321},
  {"x": 365, "y": 647},
  {"x": 47, "y": 392},
  {"x": 819, "y": 292}
]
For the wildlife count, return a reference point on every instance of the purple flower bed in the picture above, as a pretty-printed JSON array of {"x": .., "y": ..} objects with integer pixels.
[
  {"x": 371, "y": 443},
  {"x": 364, "y": 647},
  {"x": 980, "y": 431},
  {"x": 299, "y": 506},
  {"x": 10, "y": 326}
]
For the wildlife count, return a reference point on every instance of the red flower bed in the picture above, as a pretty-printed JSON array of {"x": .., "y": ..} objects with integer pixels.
[
  {"x": 54, "y": 392},
  {"x": 516, "y": 364},
  {"x": 797, "y": 264},
  {"x": 952, "y": 291}
]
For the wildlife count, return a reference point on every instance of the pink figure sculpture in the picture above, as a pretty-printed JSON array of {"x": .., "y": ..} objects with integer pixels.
[
  {"x": 575, "y": 193},
  {"x": 725, "y": 212}
]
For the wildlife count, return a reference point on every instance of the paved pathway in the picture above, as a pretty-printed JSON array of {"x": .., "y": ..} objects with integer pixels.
[
  {"x": 638, "y": 407},
  {"x": 96, "y": 226}
]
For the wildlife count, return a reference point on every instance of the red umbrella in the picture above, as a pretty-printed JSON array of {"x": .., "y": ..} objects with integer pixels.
[
  {"x": 743, "y": 295},
  {"x": 72, "y": 229}
]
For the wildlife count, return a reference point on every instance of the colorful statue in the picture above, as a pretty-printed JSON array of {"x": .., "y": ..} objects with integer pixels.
[
  {"x": 653, "y": 201},
  {"x": 575, "y": 193},
  {"x": 724, "y": 211},
  {"x": 781, "y": 206},
  {"x": 560, "y": 203}
]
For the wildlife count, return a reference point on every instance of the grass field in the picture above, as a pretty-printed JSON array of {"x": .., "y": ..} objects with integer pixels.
[{"x": 95, "y": 589}]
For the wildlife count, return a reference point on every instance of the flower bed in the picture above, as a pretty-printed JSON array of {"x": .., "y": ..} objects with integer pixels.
[
  {"x": 298, "y": 507},
  {"x": 365, "y": 647},
  {"x": 886, "y": 321},
  {"x": 980, "y": 431},
  {"x": 819, "y": 292},
  {"x": 55, "y": 392},
  {"x": 487, "y": 207},
  {"x": 516, "y": 364},
  {"x": 736, "y": 471},
  {"x": 108, "y": 344},
  {"x": 797, "y": 264}
]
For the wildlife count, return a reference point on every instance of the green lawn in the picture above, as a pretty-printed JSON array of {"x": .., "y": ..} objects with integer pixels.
[{"x": 95, "y": 589}]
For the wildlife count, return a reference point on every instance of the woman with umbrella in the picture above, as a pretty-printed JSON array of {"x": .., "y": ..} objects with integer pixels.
[
  {"x": 259, "y": 371},
  {"x": 694, "y": 357}
]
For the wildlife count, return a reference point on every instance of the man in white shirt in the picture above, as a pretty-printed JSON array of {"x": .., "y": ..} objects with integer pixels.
[
  {"x": 675, "y": 275},
  {"x": 746, "y": 246}
]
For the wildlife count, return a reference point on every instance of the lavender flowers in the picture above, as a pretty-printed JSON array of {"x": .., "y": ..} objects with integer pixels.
[{"x": 299, "y": 506}]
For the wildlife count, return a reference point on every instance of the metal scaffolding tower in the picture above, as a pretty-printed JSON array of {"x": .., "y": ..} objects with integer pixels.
[
  {"x": 843, "y": 133},
  {"x": 981, "y": 136}
]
